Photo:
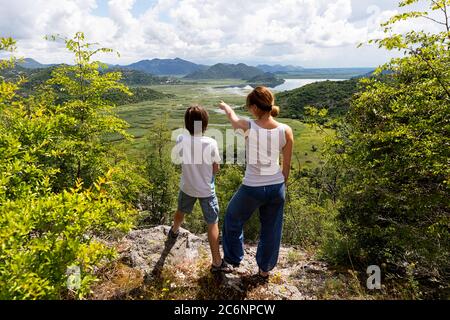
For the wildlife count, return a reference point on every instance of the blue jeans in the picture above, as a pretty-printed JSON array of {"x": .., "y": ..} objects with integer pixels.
[{"x": 270, "y": 202}]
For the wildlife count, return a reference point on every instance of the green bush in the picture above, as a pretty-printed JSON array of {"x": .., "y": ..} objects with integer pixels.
[
  {"x": 43, "y": 236},
  {"x": 161, "y": 195},
  {"x": 129, "y": 182},
  {"x": 58, "y": 198},
  {"x": 310, "y": 213},
  {"x": 394, "y": 150}
]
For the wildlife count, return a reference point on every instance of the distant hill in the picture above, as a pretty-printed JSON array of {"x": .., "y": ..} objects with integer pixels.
[
  {"x": 279, "y": 68},
  {"x": 139, "y": 78},
  {"x": 30, "y": 63},
  {"x": 267, "y": 79},
  {"x": 34, "y": 77},
  {"x": 175, "y": 66},
  {"x": 14, "y": 73},
  {"x": 227, "y": 71},
  {"x": 332, "y": 95},
  {"x": 327, "y": 73},
  {"x": 37, "y": 77}
]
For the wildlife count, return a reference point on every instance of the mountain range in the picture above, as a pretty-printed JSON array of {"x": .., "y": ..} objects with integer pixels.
[
  {"x": 227, "y": 71},
  {"x": 179, "y": 67},
  {"x": 279, "y": 68},
  {"x": 175, "y": 66}
]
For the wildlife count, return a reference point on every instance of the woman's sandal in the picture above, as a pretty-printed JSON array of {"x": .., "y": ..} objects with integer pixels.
[{"x": 262, "y": 278}]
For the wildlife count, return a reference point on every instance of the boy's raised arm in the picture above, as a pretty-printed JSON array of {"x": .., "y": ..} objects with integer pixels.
[{"x": 236, "y": 122}]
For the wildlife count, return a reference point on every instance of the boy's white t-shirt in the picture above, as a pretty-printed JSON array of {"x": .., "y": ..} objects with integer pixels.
[{"x": 197, "y": 155}]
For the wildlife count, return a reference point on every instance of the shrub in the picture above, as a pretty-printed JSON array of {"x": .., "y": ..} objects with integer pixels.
[
  {"x": 160, "y": 197},
  {"x": 50, "y": 220},
  {"x": 43, "y": 236},
  {"x": 394, "y": 149}
]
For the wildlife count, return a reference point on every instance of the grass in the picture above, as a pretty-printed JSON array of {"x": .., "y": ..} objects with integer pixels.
[{"x": 142, "y": 116}]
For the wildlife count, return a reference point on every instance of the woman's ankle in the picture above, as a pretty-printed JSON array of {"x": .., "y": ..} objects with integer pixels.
[{"x": 263, "y": 274}]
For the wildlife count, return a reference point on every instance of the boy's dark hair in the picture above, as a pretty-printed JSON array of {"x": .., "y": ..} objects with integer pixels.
[{"x": 194, "y": 114}]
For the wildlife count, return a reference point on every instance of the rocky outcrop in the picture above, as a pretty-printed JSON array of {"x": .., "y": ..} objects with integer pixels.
[
  {"x": 149, "y": 250},
  {"x": 152, "y": 267}
]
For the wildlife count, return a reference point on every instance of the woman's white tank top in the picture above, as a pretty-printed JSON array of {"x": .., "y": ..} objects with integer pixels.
[{"x": 263, "y": 149}]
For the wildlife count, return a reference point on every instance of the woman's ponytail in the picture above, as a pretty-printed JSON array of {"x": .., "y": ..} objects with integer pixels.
[{"x": 275, "y": 111}]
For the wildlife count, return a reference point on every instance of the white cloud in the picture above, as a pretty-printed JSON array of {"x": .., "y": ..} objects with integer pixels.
[{"x": 302, "y": 32}]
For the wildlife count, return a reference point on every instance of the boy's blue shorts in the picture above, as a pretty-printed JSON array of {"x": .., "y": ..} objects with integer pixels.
[{"x": 210, "y": 206}]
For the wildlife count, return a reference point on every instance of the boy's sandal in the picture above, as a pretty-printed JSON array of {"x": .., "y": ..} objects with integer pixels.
[{"x": 224, "y": 267}]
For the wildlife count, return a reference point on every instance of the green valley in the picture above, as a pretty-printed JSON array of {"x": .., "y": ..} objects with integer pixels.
[{"x": 141, "y": 116}]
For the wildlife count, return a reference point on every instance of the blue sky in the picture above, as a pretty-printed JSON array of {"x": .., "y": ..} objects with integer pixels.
[{"x": 309, "y": 33}]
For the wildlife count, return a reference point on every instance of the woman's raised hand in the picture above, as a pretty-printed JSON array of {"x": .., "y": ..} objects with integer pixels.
[
  {"x": 224, "y": 106},
  {"x": 236, "y": 122}
]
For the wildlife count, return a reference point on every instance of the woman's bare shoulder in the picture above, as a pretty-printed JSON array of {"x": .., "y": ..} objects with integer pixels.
[{"x": 289, "y": 132}]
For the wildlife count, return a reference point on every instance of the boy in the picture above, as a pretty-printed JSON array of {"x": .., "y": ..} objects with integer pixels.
[{"x": 200, "y": 162}]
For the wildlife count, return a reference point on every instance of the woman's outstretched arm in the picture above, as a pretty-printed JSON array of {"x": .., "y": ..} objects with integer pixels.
[
  {"x": 287, "y": 153},
  {"x": 236, "y": 122}
]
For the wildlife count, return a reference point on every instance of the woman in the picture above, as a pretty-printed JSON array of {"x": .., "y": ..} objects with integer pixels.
[{"x": 263, "y": 187}]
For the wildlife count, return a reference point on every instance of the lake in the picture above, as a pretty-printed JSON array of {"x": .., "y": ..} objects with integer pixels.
[
  {"x": 291, "y": 84},
  {"x": 244, "y": 90}
]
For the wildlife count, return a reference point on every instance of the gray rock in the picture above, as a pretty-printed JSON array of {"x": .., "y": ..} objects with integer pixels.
[
  {"x": 286, "y": 292},
  {"x": 149, "y": 251}
]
